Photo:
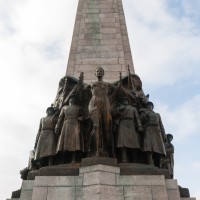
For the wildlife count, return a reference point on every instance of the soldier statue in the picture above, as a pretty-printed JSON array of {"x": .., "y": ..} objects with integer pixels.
[
  {"x": 127, "y": 136},
  {"x": 168, "y": 160},
  {"x": 45, "y": 144},
  {"x": 68, "y": 130},
  {"x": 154, "y": 135}
]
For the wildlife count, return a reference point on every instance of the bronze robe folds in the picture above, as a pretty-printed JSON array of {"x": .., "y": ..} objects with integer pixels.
[
  {"x": 127, "y": 135},
  {"x": 154, "y": 132},
  {"x": 70, "y": 138},
  {"x": 46, "y": 140},
  {"x": 100, "y": 114}
]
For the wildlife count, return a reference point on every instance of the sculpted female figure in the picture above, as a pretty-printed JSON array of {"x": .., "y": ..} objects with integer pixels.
[{"x": 101, "y": 140}]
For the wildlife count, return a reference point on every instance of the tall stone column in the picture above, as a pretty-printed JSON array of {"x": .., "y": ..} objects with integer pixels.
[{"x": 100, "y": 38}]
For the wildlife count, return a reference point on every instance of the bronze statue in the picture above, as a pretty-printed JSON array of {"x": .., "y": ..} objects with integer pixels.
[
  {"x": 130, "y": 86},
  {"x": 66, "y": 84},
  {"x": 168, "y": 160},
  {"x": 101, "y": 139},
  {"x": 68, "y": 129},
  {"x": 45, "y": 144},
  {"x": 127, "y": 136},
  {"x": 154, "y": 135}
]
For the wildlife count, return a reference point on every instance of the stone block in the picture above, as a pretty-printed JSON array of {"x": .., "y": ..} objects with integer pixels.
[
  {"x": 98, "y": 177},
  {"x": 160, "y": 193},
  {"x": 13, "y": 199},
  {"x": 26, "y": 195},
  {"x": 157, "y": 180},
  {"x": 108, "y": 30},
  {"x": 61, "y": 193},
  {"x": 60, "y": 170},
  {"x": 40, "y": 193},
  {"x": 46, "y": 181},
  {"x": 27, "y": 185},
  {"x": 102, "y": 168},
  {"x": 130, "y": 198},
  {"x": 109, "y": 41},
  {"x": 173, "y": 194},
  {"x": 100, "y": 192},
  {"x": 171, "y": 184},
  {"x": 100, "y": 61},
  {"x": 136, "y": 192}
]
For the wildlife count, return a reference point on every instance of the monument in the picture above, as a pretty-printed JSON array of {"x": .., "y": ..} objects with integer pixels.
[{"x": 101, "y": 138}]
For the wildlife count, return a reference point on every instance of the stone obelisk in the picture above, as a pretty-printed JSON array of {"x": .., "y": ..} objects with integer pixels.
[{"x": 100, "y": 38}]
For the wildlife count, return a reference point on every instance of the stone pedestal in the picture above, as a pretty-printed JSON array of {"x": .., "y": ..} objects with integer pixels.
[{"x": 101, "y": 182}]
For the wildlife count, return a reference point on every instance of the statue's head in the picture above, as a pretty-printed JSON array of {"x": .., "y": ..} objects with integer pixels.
[
  {"x": 50, "y": 111},
  {"x": 72, "y": 99},
  {"x": 150, "y": 105},
  {"x": 169, "y": 137},
  {"x": 99, "y": 72},
  {"x": 125, "y": 101}
]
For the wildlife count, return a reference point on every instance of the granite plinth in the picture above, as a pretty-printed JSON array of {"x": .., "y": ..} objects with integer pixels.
[
  {"x": 141, "y": 169},
  {"x": 60, "y": 170},
  {"x": 32, "y": 175},
  {"x": 99, "y": 160},
  {"x": 184, "y": 192},
  {"x": 101, "y": 182},
  {"x": 16, "y": 194}
]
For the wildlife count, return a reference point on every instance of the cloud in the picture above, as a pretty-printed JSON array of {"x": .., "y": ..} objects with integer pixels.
[
  {"x": 183, "y": 120},
  {"x": 164, "y": 43},
  {"x": 35, "y": 39},
  {"x": 196, "y": 165}
]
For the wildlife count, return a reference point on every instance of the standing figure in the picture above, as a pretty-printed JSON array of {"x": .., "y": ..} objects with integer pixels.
[
  {"x": 45, "y": 144},
  {"x": 168, "y": 160},
  {"x": 68, "y": 126},
  {"x": 154, "y": 135},
  {"x": 101, "y": 139},
  {"x": 127, "y": 137}
]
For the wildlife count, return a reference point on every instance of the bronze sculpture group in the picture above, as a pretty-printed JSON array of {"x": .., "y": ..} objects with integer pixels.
[{"x": 102, "y": 119}]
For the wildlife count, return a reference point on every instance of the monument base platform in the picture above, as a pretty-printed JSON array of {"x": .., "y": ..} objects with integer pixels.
[{"x": 100, "y": 182}]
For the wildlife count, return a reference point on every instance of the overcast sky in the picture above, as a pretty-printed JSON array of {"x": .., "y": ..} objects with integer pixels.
[{"x": 35, "y": 37}]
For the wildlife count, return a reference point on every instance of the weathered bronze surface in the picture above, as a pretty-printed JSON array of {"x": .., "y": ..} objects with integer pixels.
[
  {"x": 154, "y": 135},
  {"x": 99, "y": 122},
  {"x": 101, "y": 139},
  {"x": 168, "y": 160},
  {"x": 127, "y": 128},
  {"x": 45, "y": 144}
]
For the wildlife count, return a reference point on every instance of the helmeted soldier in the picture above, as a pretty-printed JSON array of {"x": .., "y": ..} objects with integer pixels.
[
  {"x": 127, "y": 136},
  {"x": 68, "y": 129},
  {"x": 45, "y": 144},
  {"x": 154, "y": 135}
]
